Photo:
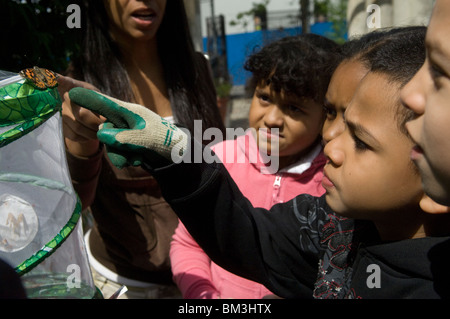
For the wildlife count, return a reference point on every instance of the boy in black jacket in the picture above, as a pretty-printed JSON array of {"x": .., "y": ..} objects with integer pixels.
[{"x": 367, "y": 237}]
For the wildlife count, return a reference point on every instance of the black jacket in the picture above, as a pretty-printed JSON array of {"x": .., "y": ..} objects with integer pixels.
[{"x": 301, "y": 248}]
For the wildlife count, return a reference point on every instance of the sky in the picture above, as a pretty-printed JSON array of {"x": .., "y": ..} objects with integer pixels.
[{"x": 230, "y": 8}]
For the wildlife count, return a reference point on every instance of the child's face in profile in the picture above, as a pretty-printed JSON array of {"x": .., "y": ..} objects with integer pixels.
[
  {"x": 369, "y": 174},
  {"x": 299, "y": 122},
  {"x": 343, "y": 84},
  {"x": 428, "y": 95}
]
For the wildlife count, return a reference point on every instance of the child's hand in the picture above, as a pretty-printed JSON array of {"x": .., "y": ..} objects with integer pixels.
[
  {"x": 132, "y": 132},
  {"x": 80, "y": 125}
]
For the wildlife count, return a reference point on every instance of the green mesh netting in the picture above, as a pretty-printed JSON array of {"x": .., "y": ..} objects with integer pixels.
[
  {"x": 34, "y": 178},
  {"x": 25, "y": 107},
  {"x": 56, "y": 241}
]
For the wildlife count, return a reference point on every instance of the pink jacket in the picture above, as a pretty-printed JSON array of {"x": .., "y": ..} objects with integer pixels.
[{"x": 195, "y": 274}]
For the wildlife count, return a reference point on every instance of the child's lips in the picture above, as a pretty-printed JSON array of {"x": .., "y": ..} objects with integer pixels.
[
  {"x": 269, "y": 134},
  {"x": 416, "y": 152},
  {"x": 326, "y": 182}
]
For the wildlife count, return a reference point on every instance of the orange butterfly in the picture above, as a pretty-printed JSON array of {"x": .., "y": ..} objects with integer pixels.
[{"x": 40, "y": 78}]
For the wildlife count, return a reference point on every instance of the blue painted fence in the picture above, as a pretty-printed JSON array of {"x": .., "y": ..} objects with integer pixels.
[{"x": 240, "y": 46}]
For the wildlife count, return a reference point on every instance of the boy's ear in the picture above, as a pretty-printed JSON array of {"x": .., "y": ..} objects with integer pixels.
[{"x": 430, "y": 206}]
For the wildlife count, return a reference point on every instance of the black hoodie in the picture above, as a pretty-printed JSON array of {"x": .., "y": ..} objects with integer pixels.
[
  {"x": 301, "y": 248},
  {"x": 415, "y": 268}
]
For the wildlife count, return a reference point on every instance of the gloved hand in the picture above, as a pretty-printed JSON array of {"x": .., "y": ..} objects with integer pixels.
[{"x": 132, "y": 134}]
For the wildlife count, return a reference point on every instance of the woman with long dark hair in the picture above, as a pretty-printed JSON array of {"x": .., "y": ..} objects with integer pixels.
[{"x": 141, "y": 52}]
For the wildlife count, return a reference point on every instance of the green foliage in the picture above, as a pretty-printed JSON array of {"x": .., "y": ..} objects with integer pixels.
[
  {"x": 321, "y": 7},
  {"x": 258, "y": 8},
  {"x": 223, "y": 87},
  {"x": 337, "y": 15},
  {"x": 34, "y": 32}
]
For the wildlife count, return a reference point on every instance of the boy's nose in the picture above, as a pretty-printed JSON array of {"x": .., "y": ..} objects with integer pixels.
[
  {"x": 412, "y": 95},
  {"x": 334, "y": 152},
  {"x": 274, "y": 117},
  {"x": 333, "y": 130}
]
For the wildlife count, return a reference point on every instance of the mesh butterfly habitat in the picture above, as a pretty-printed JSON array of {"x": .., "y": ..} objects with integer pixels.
[{"x": 41, "y": 234}]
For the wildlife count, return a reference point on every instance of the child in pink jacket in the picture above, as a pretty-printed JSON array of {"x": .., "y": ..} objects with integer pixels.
[{"x": 279, "y": 157}]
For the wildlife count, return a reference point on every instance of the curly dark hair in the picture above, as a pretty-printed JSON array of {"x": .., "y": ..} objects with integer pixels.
[{"x": 301, "y": 65}]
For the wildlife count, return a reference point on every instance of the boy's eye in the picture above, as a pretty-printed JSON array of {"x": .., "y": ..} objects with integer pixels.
[
  {"x": 294, "y": 108},
  {"x": 436, "y": 73},
  {"x": 359, "y": 145},
  {"x": 330, "y": 112},
  {"x": 264, "y": 98}
]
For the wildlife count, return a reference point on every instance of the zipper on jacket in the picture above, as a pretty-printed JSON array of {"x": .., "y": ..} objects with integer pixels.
[{"x": 276, "y": 193}]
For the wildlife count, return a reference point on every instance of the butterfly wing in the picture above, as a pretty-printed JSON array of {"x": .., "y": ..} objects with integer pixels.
[
  {"x": 32, "y": 77},
  {"x": 40, "y": 78},
  {"x": 50, "y": 78}
]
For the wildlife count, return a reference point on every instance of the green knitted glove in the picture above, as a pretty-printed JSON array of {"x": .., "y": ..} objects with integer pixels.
[{"x": 132, "y": 133}]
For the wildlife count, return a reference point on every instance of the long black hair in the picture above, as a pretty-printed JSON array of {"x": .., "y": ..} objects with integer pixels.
[{"x": 190, "y": 87}]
